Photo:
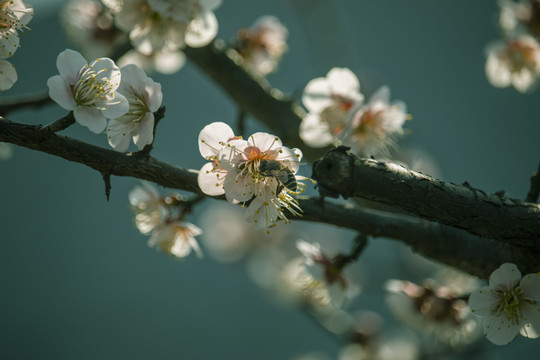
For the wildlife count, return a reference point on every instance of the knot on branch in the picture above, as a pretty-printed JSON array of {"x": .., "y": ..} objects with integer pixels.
[{"x": 335, "y": 173}]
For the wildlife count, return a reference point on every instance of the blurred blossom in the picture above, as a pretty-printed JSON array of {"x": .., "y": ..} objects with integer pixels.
[
  {"x": 434, "y": 311},
  {"x": 262, "y": 45},
  {"x": 89, "y": 90},
  {"x": 373, "y": 128},
  {"x": 328, "y": 101},
  {"x": 166, "y": 25},
  {"x": 144, "y": 97},
  {"x": 514, "y": 62},
  {"x": 164, "y": 62},
  {"x": 321, "y": 279},
  {"x": 6, "y": 151},
  {"x": 90, "y": 25},
  {"x": 163, "y": 219},
  {"x": 508, "y": 305},
  {"x": 520, "y": 16},
  {"x": 14, "y": 15}
]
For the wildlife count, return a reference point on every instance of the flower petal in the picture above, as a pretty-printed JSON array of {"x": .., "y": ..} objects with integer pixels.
[
  {"x": 316, "y": 95},
  {"x": 9, "y": 43},
  {"x": 482, "y": 300},
  {"x": 91, "y": 118},
  {"x": 315, "y": 132},
  {"x": 8, "y": 75},
  {"x": 531, "y": 318},
  {"x": 202, "y": 30},
  {"x": 499, "y": 330},
  {"x": 133, "y": 77},
  {"x": 119, "y": 134},
  {"x": 530, "y": 285},
  {"x": 211, "y": 178},
  {"x": 505, "y": 277},
  {"x": 60, "y": 92},
  {"x": 143, "y": 133},
  {"x": 69, "y": 63},
  {"x": 115, "y": 107},
  {"x": 213, "y": 137},
  {"x": 154, "y": 95},
  {"x": 265, "y": 141},
  {"x": 342, "y": 81}
]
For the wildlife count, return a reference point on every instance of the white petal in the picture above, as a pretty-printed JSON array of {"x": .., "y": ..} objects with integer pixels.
[
  {"x": 154, "y": 95},
  {"x": 342, "y": 81},
  {"x": 60, "y": 92},
  {"x": 8, "y": 75},
  {"x": 69, "y": 63},
  {"x": 499, "y": 330},
  {"x": 210, "y": 5},
  {"x": 481, "y": 301},
  {"x": 315, "y": 132},
  {"x": 238, "y": 189},
  {"x": 505, "y": 277},
  {"x": 115, "y": 107},
  {"x": 132, "y": 77},
  {"x": 169, "y": 62},
  {"x": 210, "y": 179},
  {"x": 265, "y": 141},
  {"x": 143, "y": 134},
  {"x": 531, "y": 319},
  {"x": 316, "y": 96},
  {"x": 213, "y": 137},
  {"x": 9, "y": 43},
  {"x": 91, "y": 118},
  {"x": 119, "y": 134},
  {"x": 381, "y": 96},
  {"x": 202, "y": 30},
  {"x": 530, "y": 285}
]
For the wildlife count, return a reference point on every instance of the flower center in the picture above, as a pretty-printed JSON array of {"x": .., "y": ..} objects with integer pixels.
[
  {"x": 90, "y": 87},
  {"x": 509, "y": 302},
  {"x": 521, "y": 55},
  {"x": 8, "y": 19}
]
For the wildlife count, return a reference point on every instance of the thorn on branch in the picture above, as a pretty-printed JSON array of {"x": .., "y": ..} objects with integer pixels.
[
  {"x": 534, "y": 190},
  {"x": 107, "y": 179}
]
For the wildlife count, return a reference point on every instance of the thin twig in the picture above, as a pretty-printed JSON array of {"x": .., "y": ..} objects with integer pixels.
[
  {"x": 60, "y": 124},
  {"x": 241, "y": 123},
  {"x": 360, "y": 243}
]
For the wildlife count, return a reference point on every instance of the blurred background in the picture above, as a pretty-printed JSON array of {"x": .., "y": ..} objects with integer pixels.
[{"x": 77, "y": 280}]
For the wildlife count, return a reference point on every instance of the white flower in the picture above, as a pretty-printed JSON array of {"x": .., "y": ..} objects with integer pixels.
[
  {"x": 149, "y": 208},
  {"x": 328, "y": 101},
  {"x": 14, "y": 15},
  {"x": 212, "y": 139},
  {"x": 144, "y": 97},
  {"x": 88, "y": 90},
  {"x": 373, "y": 128},
  {"x": 434, "y": 311},
  {"x": 321, "y": 279},
  {"x": 269, "y": 187},
  {"x": 176, "y": 238},
  {"x": 514, "y": 62},
  {"x": 509, "y": 305},
  {"x": 89, "y": 25},
  {"x": 164, "y": 62},
  {"x": 166, "y": 25},
  {"x": 263, "y": 45},
  {"x": 8, "y": 75}
]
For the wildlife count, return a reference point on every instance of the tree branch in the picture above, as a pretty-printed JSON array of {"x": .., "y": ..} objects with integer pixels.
[
  {"x": 443, "y": 243},
  {"x": 534, "y": 190},
  {"x": 35, "y": 100},
  {"x": 462, "y": 206}
]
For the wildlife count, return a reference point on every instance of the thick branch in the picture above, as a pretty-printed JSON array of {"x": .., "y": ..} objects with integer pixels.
[
  {"x": 443, "y": 243},
  {"x": 462, "y": 206}
]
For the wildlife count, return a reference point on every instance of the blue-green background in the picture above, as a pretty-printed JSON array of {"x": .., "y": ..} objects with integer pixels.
[{"x": 77, "y": 280}]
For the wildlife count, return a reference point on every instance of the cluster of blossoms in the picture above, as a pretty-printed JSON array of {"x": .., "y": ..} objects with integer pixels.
[
  {"x": 99, "y": 90},
  {"x": 163, "y": 218},
  {"x": 263, "y": 45},
  {"x": 14, "y": 15},
  {"x": 515, "y": 60},
  {"x": 338, "y": 114},
  {"x": 259, "y": 171},
  {"x": 160, "y": 29},
  {"x": 510, "y": 304}
]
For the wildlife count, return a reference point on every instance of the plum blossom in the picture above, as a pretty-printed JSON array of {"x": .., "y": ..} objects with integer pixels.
[
  {"x": 14, "y": 15},
  {"x": 373, "y": 128},
  {"x": 328, "y": 101},
  {"x": 89, "y": 90},
  {"x": 262, "y": 45},
  {"x": 90, "y": 25},
  {"x": 166, "y": 25},
  {"x": 321, "y": 279},
  {"x": 246, "y": 181},
  {"x": 8, "y": 75},
  {"x": 433, "y": 310},
  {"x": 6, "y": 151},
  {"x": 144, "y": 97},
  {"x": 164, "y": 62},
  {"x": 509, "y": 305},
  {"x": 163, "y": 218},
  {"x": 514, "y": 62}
]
